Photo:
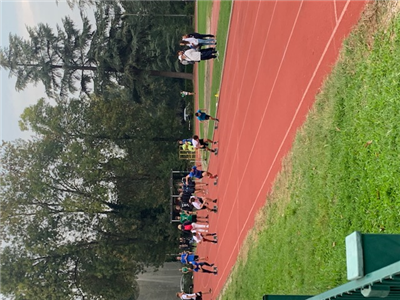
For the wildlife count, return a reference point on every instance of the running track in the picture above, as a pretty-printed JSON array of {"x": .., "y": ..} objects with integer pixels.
[{"x": 277, "y": 57}]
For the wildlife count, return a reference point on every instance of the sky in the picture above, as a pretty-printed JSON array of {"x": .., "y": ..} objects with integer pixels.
[{"x": 15, "y": 15}]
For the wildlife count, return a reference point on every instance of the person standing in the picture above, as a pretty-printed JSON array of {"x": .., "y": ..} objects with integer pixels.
[
  {"x": 194, "y": 43},
  {"x": 203, "y": 116},
  {"x": 194, "y": 296},
  {"x": 191, "y": 217},
  {"x": 198, "y": 267},
  {"x": 192, "y": 55},
  {"x": 198, "y": 238},
  {"x": 187, "y": 257},
  {"x": 193, "y": 227},
  {"x": 199, "y": 174},
  {"x": 199, "y": 204},
  {"x": 185, "y": 93},
  {"x": 197, "y": 35},
  {"x": 199, "y": 143}
]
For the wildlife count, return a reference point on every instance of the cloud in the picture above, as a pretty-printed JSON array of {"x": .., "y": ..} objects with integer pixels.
[
  {"x": 25, "y": 16},
  {"x": 32, "y": 12}
]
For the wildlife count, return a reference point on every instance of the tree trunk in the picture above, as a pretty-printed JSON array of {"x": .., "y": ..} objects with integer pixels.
[
  {"x": 170, "y": 74},
  {"x": 181, "y": 75}
]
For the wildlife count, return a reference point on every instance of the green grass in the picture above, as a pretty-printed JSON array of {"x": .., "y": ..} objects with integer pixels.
[{"x": 342, "y": 175}]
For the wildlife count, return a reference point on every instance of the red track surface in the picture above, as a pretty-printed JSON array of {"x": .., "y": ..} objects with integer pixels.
[{"x": 277, "y": 57}]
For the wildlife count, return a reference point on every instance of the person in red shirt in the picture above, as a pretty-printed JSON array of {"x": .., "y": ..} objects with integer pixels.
[{"x": 193, "y": 227}]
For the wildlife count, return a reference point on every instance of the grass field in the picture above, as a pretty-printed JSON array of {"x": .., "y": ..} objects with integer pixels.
[{"x": 342, "y": 174}]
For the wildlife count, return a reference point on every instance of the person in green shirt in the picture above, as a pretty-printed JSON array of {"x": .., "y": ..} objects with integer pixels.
[
  {"x": 191, "y": 217},
  {"x": 185, "y": 270}
]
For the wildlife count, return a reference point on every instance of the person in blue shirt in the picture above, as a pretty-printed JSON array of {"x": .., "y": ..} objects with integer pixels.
[
  {"x": 198, "y": 266},
  {"x": 202, "y": 116},
  {"x": 185, "y": 142},
  {"x": 188, "y": 257},
  {"x": 196, "y": 173}
]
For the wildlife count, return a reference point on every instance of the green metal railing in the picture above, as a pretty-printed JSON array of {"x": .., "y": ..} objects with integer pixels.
[{"x": 383, "y": 283}]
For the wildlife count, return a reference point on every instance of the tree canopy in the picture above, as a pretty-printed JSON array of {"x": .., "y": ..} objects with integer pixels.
[
  {"x": 85, "y": 200},
  {"x": 119, "y": 50}
]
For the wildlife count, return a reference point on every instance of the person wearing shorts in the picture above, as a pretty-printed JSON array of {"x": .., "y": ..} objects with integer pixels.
[
  {"x": 202, "y": 116},
  {"x": 199, "y": 174},
  {"x": 199, "y": 143},
  {"x": 199, "y": 237},
  {"x": 193, "y": 227},
  {"x": 187, "y": 257},
  {"x": 198, "y": 203},
  {"x": 191, "y": 217},
  {"x": 198, "y": 267}
]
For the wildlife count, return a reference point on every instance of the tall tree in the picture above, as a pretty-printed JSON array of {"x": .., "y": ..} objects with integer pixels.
[
  {"x": 67, "y": 272},
  {"x": 70, "y": 59},
  {"x": 58, "y": 61},
  {"x": 83, "y": 201}
]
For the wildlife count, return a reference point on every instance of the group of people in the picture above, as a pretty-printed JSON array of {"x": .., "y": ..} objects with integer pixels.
[
  {"x": 193, "y": 52},
  {"x": 196, "y": 143},
  {"x": 188, "y": 199},
  {"x": 194, "y": 227}
]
